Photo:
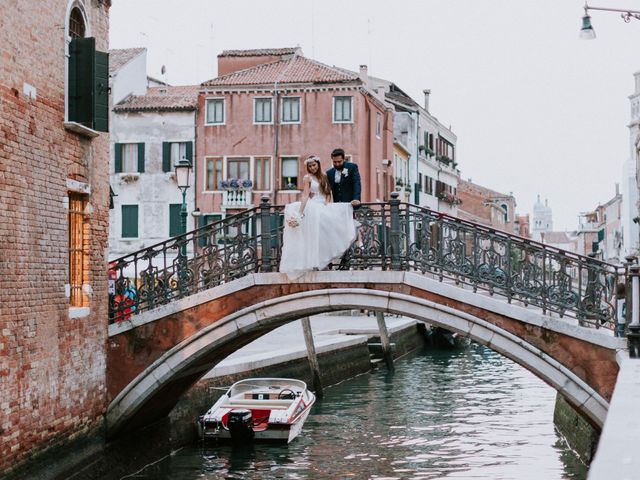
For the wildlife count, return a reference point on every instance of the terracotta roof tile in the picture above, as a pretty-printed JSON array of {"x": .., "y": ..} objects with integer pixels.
[
  {"x": 259, "y": 52},
  {"x": 297, "y": 69},
  {"x": 161, "y": 99},
  {"x": 118, "y": 58}
]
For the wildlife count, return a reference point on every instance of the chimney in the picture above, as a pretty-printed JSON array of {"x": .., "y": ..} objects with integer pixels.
[
  {"x": 426, "y": 92},
  {"x": 364, "y": 74}
]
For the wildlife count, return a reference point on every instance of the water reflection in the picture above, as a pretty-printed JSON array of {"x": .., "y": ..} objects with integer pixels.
[{"x": 466, "y": 414}]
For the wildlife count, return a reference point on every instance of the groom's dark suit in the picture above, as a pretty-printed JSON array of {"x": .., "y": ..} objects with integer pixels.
[{"x": 348, "y": 188}]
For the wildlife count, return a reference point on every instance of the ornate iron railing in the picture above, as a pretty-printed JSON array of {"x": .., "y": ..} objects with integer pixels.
[{"x": 391, "y": 236}]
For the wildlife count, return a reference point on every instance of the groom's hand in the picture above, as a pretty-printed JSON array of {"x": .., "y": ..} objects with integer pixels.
[{"x": 355, "y": 203}]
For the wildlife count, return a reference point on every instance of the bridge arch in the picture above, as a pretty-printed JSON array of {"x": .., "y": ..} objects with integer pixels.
[{"x": 576, "y": 361}]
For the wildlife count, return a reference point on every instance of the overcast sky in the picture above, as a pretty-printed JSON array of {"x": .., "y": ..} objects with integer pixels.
[{"x": 535, "y": 109}]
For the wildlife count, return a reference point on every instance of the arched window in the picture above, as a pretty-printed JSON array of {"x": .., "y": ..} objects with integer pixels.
[
  {"x": 505, "y": 215},
  {"x": 77, "y": 28}
]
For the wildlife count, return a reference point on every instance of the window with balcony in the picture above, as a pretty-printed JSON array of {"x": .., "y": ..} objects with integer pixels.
[
  {"x": 78, "y": 240},
  {"x": 238, "y": 168},
  {"x": 263, "y": 110},
  {"x": 214, "y": 173},
  {"x": 262, "y": 173},
  {"x": 342, "y": 109},
  {"x": 291, "y": 110},
  {"x": 129, "y": 157},
  {"x": 289, "y": 173},
  {"x": 215, "y": 111}
]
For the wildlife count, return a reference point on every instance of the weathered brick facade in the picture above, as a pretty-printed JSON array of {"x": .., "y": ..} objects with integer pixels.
[{"x": 52, "y": 357}]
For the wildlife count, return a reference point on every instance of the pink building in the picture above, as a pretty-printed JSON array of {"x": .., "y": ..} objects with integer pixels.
[{"x": 269, "y": 110}]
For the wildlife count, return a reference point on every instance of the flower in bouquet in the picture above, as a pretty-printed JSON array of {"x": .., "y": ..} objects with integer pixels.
[
  {"x": 233, "y": 183},
  {"x": 294, "y": 220},
  {"x": 224, "y": 184},
  {"x": 246, "y": 183}
]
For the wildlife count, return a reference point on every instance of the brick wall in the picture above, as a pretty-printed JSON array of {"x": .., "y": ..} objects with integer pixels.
[
  {"x": 52, "y": 366},
  {"x": 482, "y": 205}
]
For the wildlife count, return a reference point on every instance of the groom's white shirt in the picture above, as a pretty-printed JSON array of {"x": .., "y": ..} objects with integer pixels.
[{"x": 337, "y": 176}]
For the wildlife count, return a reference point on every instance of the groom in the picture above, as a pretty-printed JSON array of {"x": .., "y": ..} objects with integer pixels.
[{"x": 344, "y": 179}]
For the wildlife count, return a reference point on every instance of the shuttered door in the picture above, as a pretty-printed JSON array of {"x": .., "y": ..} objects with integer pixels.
[{"x": 175, "y": 223}]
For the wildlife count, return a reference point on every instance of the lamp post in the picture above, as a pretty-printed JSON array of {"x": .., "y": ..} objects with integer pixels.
[
  {"x": 183, "y": 177},
  {"x": 588, "y": 33}
]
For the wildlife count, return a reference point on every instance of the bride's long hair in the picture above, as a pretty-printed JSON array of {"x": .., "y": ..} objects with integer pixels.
[{"x": 320, "y": 176}]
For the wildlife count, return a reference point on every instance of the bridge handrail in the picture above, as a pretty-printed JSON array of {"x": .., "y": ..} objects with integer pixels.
[{"x": 392, "y": 235}]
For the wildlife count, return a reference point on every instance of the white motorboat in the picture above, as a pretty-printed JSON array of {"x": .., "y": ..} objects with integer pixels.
[{"x": 259, "y": 409}]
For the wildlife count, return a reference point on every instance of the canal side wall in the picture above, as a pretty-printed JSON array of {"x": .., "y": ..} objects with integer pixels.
[
  {"x": 338, "y": 361},
  {"x": 581, "y": 436}
]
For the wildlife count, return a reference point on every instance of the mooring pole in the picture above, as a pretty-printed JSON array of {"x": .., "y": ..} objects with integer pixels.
[
  {"x": 311, "y": 355},
  {"x": 387, "y": 354}
]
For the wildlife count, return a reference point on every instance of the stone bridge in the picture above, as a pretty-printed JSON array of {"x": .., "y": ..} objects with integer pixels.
[{"x": 551, "y": 311}]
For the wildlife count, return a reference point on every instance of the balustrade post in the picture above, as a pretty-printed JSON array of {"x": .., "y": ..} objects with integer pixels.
[
  {"x": 265, "y": 233},
  {"x": 633, "y": 337},
  {"x": 395, "y": 233}
]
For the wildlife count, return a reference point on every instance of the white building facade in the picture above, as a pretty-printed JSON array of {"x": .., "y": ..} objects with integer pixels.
[
  {"x": 432, "y": 171},
  {"x": 630, "y": 177},
  {"x": 150, "y": 132}
]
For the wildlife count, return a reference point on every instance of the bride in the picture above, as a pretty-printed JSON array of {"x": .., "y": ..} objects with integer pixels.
[{"x": 315, "y": 229}]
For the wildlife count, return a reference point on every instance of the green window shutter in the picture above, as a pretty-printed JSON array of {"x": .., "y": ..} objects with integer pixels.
[
  {"x": 175, "y": 223},
  {"x": 118, "y": 160},
  {"x": 601, "y": 235},
  {"x": 189, "y": 153},
  {"x": 81, "y": 76},
  {"x": 166, "y": 157},
  {"x": 202, "y": 221},
  {"x": 141, "y": 157},
  {"x": 129, "y": 221},
  {"x": 101, "y": 92},
  {"x": 88, "y": 84}
]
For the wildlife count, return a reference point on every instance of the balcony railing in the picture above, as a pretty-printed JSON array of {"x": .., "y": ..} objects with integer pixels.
[{"x": 237, "y": 198}]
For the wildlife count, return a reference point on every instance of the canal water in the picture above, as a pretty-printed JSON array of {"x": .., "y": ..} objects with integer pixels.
[{"x": 467, "y": 414}]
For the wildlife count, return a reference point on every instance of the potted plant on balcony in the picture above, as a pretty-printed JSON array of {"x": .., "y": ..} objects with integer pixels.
[
  {"x": 236, "y": 184},
  {"x": 449, "y": 198}
]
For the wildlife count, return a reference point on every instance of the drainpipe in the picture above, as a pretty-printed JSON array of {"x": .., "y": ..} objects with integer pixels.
[
  {"x": 195, "y": 164},
  {"x": 276, "y": 119},
  {"x": 275, "y": 135},
  {"x": 415, "y": 186}
]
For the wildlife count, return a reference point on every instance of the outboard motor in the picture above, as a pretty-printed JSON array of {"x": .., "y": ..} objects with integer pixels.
[{"x": 240, "y": 425}]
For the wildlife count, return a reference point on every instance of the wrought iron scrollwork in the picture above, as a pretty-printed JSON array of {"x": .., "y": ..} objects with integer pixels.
[{"x": 390, "y": 236}]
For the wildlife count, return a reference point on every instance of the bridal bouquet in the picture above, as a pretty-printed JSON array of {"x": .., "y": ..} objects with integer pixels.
[{"x": 294, "y": 219}]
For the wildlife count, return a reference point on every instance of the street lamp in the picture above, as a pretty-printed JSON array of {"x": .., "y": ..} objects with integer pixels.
[
  {"x": 588, "y": 33},
  {"x": 183, "y": 177}
]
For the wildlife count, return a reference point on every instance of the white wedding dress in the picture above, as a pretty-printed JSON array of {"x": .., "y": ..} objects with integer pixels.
[{"x": 325, "y": 232}]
